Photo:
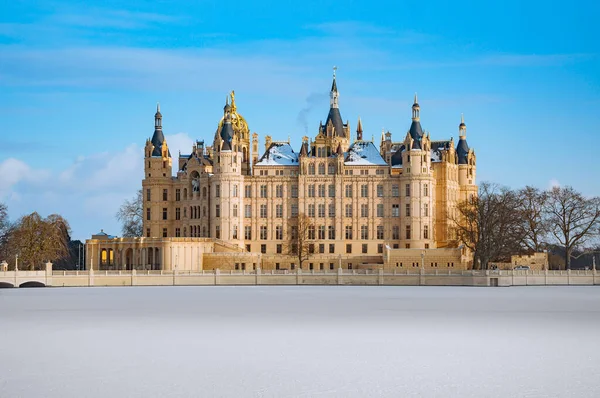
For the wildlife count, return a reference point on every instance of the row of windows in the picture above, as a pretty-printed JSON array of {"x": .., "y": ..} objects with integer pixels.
[
  {"x": 313, "y": 211},
  {"x": 321, "y": 232},
  {"x": 311, "y": 191},
  {"x": 320, "y": 248},
  {"x": 314, "y": 233}
]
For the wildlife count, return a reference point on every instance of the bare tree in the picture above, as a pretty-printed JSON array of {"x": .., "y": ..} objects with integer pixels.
[
  {"x": 131, "y": 215},
  {"x": 535, "y": 223},
  {"x": 301, "y": 239},
  {"x": 490, "y": 224},
  {"x": 37, "y": 240},
  {"x": 574, "y": 220},
  {"x": 4, "y": 230}
]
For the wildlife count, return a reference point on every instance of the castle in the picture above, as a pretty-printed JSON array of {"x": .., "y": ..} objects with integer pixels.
[{"x": 391, "y": 205}]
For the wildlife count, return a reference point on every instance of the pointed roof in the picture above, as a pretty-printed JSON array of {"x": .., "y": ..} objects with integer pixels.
[
  {"x": 339, "y": 150},
  {"x": 462, "y": 150},
  {"x": 359, "y": 129},
  {"x": 336, "y": 119},
  {"x": 226, "y": 135},
  {"x": 157, "y": 140},
  {"x": 304, "y": 149},
  {"x": 158, "y": 137}
]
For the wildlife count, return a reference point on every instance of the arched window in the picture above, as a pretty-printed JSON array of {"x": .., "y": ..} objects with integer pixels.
[
  {"x": 321, "y": 168},
  {"x": 311, "y": 169},
  {"x": 331, "y": 169},
  {"x": 426, "y": 232},
  {"x": 184, "y": 193}
]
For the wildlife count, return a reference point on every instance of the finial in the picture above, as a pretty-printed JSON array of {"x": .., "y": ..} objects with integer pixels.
[
  {"x": 158, "y": 107},
  {"x": 462, "y": 118},
  {"x": 334, "y": 69},
  {"x": 416, "y": 102},
  {"x": 288, "y": 138}
]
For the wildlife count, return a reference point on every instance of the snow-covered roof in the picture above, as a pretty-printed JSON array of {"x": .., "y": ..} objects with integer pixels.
[
  {"x": 436, "y": 150},
  {"x": 279, "y": 154},
  {"x": 364, "y": 153}
]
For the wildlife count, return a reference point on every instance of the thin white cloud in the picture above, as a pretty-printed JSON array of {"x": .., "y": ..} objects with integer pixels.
[{"x": 88, "y": 192}]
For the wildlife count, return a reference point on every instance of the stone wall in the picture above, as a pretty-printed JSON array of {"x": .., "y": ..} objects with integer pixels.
[
  {"x": 535, "y": 261},
  {"x": 429, "y": 259}
]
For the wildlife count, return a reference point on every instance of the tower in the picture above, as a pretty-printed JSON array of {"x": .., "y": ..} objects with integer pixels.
[
  {"x": 228, "y": 181},
  {"x": 334, "y": 131},
  {"x": 157, "y": 182},
  {"x": 417, "y": 187}
]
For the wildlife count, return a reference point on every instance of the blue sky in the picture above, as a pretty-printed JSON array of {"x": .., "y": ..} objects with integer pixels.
[{"x": 79, "y": 82}]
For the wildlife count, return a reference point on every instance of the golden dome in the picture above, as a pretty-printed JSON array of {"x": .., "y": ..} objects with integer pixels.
[{"x": 239, "y": 124}]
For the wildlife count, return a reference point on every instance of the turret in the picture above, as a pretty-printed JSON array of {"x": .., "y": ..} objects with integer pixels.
[
  {"x": 465, "y": 157},
  {"x": 359, "y": 130}
]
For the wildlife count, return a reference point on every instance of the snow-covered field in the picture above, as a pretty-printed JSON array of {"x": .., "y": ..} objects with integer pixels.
[{"x": 300, "y": 342}]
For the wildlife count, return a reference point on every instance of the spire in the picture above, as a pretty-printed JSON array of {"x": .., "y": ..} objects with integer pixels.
[
  {"x": 416, "y": 110},
  {"x": 334, "y": 117},
  {"x": 334, "y": 95},
  {"x": 334, "y": 85},
  {"x": 158, "y": 118},
  {"x": 359, "y": 130},
  {"x": 462, "y": 127}
]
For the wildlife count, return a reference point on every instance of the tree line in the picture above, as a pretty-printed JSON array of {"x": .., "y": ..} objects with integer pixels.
[
  {"x": 501, "y": 222},
  {"x": 35, "y": 240}
]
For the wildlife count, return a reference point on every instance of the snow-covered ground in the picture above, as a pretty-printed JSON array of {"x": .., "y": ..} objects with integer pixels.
[{"x": 300, "y": 342}]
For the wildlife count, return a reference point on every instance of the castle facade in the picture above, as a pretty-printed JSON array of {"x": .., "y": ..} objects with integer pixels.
[{"x": 361, "y": 199}]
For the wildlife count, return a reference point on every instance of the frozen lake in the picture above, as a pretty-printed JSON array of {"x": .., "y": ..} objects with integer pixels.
[{"x": 300, "y": 342}]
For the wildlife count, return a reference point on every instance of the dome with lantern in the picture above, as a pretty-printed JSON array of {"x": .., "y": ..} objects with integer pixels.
[{"x": 238, "y": 123}]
